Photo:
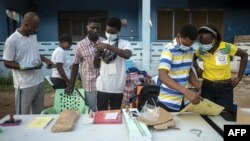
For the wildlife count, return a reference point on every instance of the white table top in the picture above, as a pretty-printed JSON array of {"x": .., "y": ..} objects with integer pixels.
[
  {"x": 186, "y": 122},
  {"x": 108, "y": 132},
  {"x": 220, "y": 121},
  {"x": 82, "y": 131}
]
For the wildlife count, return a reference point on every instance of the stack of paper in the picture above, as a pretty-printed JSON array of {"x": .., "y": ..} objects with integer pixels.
[
  {"x": 205, "y": 107},
  {"x": 40, "y": 122},
  {"x": 34, "y": 64}
]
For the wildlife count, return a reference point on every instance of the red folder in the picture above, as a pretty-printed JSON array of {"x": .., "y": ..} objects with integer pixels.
[{"x": 99, "y": 117}]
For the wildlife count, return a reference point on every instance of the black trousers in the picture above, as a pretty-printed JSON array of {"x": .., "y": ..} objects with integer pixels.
[
  {"x": 220, "y": 93},
  {"x": 106, "y": 100},
  {"x": 59, "y": 83}
]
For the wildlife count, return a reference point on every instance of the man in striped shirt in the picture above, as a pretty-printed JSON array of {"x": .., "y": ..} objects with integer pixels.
[
  {"x": 84, "y": 55},
  {"x": 175, "y": 72}
]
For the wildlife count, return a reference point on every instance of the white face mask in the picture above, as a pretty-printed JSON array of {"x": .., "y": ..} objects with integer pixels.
[
  {"x": 111, "y": 37},
  {"x": 207, "y": 47},
  {"x": 184, "y": 48}
]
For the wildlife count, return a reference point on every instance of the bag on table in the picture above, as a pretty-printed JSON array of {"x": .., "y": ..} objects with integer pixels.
[{"x": 66, "y": 121}]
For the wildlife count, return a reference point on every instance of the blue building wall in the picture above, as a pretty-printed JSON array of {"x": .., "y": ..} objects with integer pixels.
[
  {"x": 236, "y": 19},
  {"x": 3, "y": 30},
  {"x": 139, "y": 20},
  {"x": 17, "y": 5},
  {"x": 237, "y": 22},
  {"x": 48, "y": 10}
]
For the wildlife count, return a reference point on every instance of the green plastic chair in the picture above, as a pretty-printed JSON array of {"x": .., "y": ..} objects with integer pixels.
[{"x": 62, "y": 102}]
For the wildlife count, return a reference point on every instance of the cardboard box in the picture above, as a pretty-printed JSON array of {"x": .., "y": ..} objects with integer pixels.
[
  {"x": 243, "y": 111},
  {"x": 242, "y": 38}
]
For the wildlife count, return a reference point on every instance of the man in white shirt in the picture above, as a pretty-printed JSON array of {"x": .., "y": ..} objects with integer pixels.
[
  {"x": 110, "y": 57},
  {"x": 22, "y": 56}
]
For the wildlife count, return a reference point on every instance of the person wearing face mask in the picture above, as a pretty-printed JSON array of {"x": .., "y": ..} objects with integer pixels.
[
  {"x": 110, "y": 58},
  {"x": 21, "y": 48},
  {"x": 84, "y": 55},
  {"x": 217, "y": 84},
  {"x": 61, "y": 74},
  {"x": 174, "y": 42},
  {"x": 175, "y": 72}
]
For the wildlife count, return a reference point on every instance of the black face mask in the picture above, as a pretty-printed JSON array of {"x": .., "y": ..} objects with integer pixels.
[
  {"x": 93, "y": 36},
  {"x": 31, "y": 31}
]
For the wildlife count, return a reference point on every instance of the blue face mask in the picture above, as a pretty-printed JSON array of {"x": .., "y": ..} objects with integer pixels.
[
  {"x": 184, "y": 48},
  {"x": 207, "y": 47},
  {"x": 111, "y": 37}
]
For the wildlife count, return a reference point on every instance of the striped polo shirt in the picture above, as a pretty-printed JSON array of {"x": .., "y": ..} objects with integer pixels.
[{"x": 178, "y": 63}]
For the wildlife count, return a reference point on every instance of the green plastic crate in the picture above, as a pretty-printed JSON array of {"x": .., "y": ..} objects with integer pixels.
[{"x": 62, "y": 102}]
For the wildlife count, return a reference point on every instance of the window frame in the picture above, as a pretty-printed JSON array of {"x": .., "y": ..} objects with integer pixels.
[
  {"x": 208, "y": 11},
  {"x": 83, "y": 16},
  {"x": 12, "y": 23}
]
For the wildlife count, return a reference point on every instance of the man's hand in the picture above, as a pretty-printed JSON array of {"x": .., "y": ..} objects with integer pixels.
[
  {"x": 39, "y": 66},
  {"x": 69, "y": 89},
  {"x": 98, "y": 54},
  {"x": 102, "y": 46},
  {"x": 50, "y": 64},
  {"x": 195, "y": 98}
]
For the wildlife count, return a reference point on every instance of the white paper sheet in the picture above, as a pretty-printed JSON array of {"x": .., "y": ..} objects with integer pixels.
[{"x": 111, "y": 115}]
